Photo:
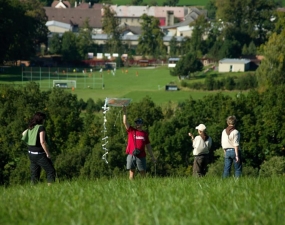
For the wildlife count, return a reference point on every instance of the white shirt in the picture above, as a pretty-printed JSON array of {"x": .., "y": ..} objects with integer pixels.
[
  {"x": 230, "y": 141},
  {"x": 200, "y": 146}
]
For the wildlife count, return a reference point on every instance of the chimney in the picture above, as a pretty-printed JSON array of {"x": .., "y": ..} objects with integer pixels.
[{"x": 75, "y": 4}]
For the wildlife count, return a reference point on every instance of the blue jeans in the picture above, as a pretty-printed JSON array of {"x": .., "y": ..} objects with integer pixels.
[{"x": 230, "y": 158}]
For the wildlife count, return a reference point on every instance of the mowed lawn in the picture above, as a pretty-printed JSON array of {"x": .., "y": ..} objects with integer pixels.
[{"x": 135, "y": 83}]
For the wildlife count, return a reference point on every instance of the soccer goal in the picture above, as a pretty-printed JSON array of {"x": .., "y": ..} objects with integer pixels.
[{"x": 64, "y": 83}]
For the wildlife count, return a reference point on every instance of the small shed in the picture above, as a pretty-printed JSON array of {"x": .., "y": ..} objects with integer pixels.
[{"x": 234, "y": 65}]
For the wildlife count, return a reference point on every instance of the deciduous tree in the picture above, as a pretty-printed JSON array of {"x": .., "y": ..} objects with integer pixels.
[
  {"x": 69, "y": 47},
  {"x": 22, "y": 28},
  {"x": 186, "y": 65},
  {"x": 271, "y": 72},
  {"x": 151, "y": 39},
  {"x": 250, "y": 17},
  {"x": 55, "y": 44},
  {"x": 110, "y": 24}
]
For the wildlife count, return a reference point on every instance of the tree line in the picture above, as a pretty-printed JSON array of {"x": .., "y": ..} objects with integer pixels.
[
  {"x": 75, "y": 130},
  {"x": 212, "y": 82}
]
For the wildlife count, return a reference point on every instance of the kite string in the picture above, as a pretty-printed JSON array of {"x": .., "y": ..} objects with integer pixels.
[
  {"x": 106, "y": 108},
  {"x": 105, "y": 138}
]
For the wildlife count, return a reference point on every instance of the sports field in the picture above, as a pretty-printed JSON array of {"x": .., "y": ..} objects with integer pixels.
[{"x": 134, "y": 83}]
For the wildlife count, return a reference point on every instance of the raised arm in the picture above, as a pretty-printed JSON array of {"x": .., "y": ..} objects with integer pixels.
[{"x": 125, "y": 121}]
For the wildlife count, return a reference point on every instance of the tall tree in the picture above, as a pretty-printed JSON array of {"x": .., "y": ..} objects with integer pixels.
[
  {"x": 151, "y": 39},
  {"x": 22, "y": 28},
  {"x": 186, "y": 65},
  {"x": 110, "y": 24},
  {"x": 84, "y": 39},
  {"x": 55, "y": 44},
  {"x": 173, "y": 45},
  {"x": 247, "y": 17},
  {"x": 200, "y": 30},
  {"x": 69, "y": 47},
  {"x": 271, "y": 72}
]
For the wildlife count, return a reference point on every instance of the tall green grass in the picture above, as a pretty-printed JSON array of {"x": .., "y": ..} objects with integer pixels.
[{"x": 146, "y": 201}]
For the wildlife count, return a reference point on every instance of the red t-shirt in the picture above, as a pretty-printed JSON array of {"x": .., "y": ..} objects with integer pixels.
[{"x": 141, "y": 138}]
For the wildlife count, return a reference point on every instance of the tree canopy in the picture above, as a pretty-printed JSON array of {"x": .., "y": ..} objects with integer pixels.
[
  {"x": 151, "y": 40},
  {"x": 19, "y": 40},
  {"x": 250, "y": 18},
  {"x": 186, "y": 65},
  {"x": 111, "y": 27},
  {"x": 271, "y": 72}
]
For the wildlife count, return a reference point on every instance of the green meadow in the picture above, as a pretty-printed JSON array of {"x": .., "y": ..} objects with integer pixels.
[
  {"x": 135, "y": 83},
  {"x": 149, "y": 201}
]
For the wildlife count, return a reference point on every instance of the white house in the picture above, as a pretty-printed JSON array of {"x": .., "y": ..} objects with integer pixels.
[{"x": 234, "y": 65}]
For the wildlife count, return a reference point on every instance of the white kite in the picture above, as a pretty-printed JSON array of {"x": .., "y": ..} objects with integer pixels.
[{"x": 114, "y": 102}]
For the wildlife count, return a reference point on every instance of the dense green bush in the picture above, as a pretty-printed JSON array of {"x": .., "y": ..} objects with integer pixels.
[
  {"x": 244, "y": 82},
  {"x": 273, "y": 167}
]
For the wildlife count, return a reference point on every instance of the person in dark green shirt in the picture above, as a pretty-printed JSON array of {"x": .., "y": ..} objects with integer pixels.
[{"x": 36, "y": 139}]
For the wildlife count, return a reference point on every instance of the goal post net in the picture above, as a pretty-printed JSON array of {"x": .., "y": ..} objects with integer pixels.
[{"x": 64, "y": 83}]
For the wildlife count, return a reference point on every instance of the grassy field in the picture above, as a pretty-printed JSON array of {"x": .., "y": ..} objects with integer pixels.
[
  {"x": 135, "y": 84},
  {"x": 149, "y": 201}
]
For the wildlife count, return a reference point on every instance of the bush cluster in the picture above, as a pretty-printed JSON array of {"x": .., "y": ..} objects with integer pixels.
[{"x": 211, "y": 82}]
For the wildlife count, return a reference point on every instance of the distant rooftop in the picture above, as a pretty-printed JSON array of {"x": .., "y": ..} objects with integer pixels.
[
  {"x": 227, "y": 60},
  {"x": 58, "y": 24}
]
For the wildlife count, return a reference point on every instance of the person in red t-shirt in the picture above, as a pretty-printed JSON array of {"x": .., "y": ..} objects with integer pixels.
[{"x": 137, "y": 142}]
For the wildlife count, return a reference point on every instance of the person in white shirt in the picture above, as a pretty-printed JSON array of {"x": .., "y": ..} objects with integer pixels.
[
  {"x": 230, "y": 143},
  {"x": 202, "y": 144}
]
